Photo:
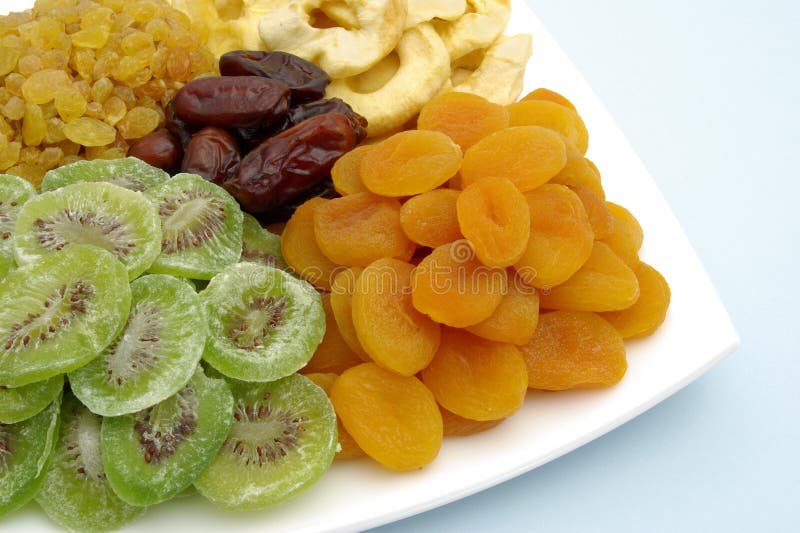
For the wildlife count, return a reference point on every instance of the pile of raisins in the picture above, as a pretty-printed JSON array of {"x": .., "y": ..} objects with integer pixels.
[{"x": 262, "y": 130}]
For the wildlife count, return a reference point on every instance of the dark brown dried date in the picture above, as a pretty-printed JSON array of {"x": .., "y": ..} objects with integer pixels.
[
  {"x": 232, "y": 102},
  {"x": 333, "y": 105},
  {"x": 289, "y": 164},
  {"x": 160, "y": 149},
  {"x": 283, "y": 212},
  {"x": 306, "y": 81},
  {"x": 213, "y": 154},
  {"x": 176, "y": 125}
]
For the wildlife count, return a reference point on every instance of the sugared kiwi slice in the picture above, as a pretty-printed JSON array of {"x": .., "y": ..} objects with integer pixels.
[
  {"x": 14, "y": 192},
  {"x": 154, "y": 355},
  {"x": 7, "y": 264},
  {"x": 24, "y": 402},
  {"x": 129, "y": 172},
  {"x": 59, "y": 312},
  {"x": 282, "y": 440},
  {"x": 121, "y": 221},
  {"x": 260, "y": 245},
  {"x": 264, "y": 324},
  {"x": 75, "y": 492},
  {"x": 25, "y": 451},
  {"x": 155, "y": 454},
  {"x": 202, "y": 227}
]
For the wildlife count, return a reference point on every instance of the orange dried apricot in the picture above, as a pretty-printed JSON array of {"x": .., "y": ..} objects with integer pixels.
[
  {"x": 476, "y": 378},
  {"x": 390, "y": 329},
  {"x": 333, "y": 354},
  {"x": 452, "y": 287},
  {"x": 643, "y": 318},
  {"x": 357, "y": 229},
  {"x": 410, "y": 162},
  {"x": 626, "y": 236},
  {"x": 458, "y": 426},
  {"x": 527, "y": 155},
  {"x": 346, "y": 173},
  {"x": 604, "y": 283},
  {"x": 300, "y": 250},
  {"x": 349, "y": 447},
  {"x": 466, "y": 118},
  {"x": 552, "y": 116},
  {"x": 574, "y": 350},
  {"x": 600, "y": 217},
  {"x": 494, "y": 216},
  {"x": 430, "y": 219},
  {"x": 342, "y": 289},
  {"x": 393, "y": 418},
  {"x": 561, "y": 237},
  {"x": 515, "y": 319},
  {"x": 579, "y": 172},
  {"x": 550, "y": 95}
]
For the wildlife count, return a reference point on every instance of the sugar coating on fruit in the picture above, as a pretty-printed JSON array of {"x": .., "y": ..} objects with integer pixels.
[
  {"x": 129, "y": 173},
  {"x": 21, "y": 403}
]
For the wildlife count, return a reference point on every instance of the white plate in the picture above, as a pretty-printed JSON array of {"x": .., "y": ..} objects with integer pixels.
[{"x": 696, "y": 335}]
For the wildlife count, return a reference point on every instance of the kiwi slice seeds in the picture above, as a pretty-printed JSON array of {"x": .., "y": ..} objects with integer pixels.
[{"x": 14, "y": 192}]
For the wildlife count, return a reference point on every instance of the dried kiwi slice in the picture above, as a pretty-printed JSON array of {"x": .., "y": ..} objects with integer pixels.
[
  {"x": 24, "y": 402},
  {"x": 259, "y": 245},
  {"x": 264, "y": 324},
  {"x": 282, "y": 440},
  {"x": 129, "y": 173},
  {"x": 153, "y": 357},
  {"x": 75, "y": 492},
  {"x": 14, "y": 192},
  {"x": 105, "y": 215},
  {"x": 155, "y": 454},
  {"x": 25, "y": 451},
  {"x": 7, "y": 264},
  {"x": 60, "y": 312},
  {"x": 202, "y": 227}
]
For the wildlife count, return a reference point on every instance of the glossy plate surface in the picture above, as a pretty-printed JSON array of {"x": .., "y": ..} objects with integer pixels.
[{"x": 696, "y": 335}]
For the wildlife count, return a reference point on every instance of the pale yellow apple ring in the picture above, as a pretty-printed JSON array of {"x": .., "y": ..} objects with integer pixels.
[{"x": 478, "y": 28}]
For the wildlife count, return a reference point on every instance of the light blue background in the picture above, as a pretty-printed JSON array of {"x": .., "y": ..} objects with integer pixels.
[{"x": 707, "y": 92}]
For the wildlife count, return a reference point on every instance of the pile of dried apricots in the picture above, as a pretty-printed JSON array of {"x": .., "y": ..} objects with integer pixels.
[{"x": 465, "y": 262}]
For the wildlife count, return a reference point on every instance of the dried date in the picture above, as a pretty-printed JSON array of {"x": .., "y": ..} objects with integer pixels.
[
  {"x": 232, "y": 102},
  {"x": 289, "y": 164},
  {"x": 213, "y": 154},
  {"x": 333, "y": 105},
  {"x": 160, "y": 149}
]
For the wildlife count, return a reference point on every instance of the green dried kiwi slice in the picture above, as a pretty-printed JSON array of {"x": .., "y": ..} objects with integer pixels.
[
  {"x": 282, "y": 440},
  {"x": 59, "y": 312},
  {"x": 75, "y": 492},
  {"x": 25, "y": 451},
  {"x": 7, "y": 264},
  {"x": 121, "y": 221},
  {"x": 155, "y": 454},
  {"x": 24, "y": 402},
  {"x": 201, "y": 224},
  {"x": 155, "y": 354},
  {"x": 129, "y": 172},
  {"x": 264, "y": 324},
  {"x": 14, "y": 192},
  {"x": 260, "y": 245}
]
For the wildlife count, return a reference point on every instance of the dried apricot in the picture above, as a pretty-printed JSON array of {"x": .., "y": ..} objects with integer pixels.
[
  {"x": 349, "y": 449},
  {"x": 547, "y": 94},
  {"x": 560, "y": 240},
  {"x": 643, "y": 318},
  {"x": 604, "y": 283},
  {"x": 466, "y": 118},
  {"x": 626, "y": 236},
  {"x": 600, "y": 217},
  {"x": 527, "y": 155},
  {"x": 552, "y": 116},
  {"x": 410, "y": 162},
  {"x": 574, "y": 350},
  {"x": 452, "y": 287},
  {"x": 430, "y": 219},
  {"x": 346, "y": 173},
  {"x": 391, "y": 330},
  {"x": 333, "y": 354},
  {"x": 476, "y": 378},
  {"x": 393, "y": 418},
  {"x": 578, "y": 171},
  {"x": 342, "y": 289},
  {"x": 494, "y": 216},
  {"x": 357, "y": 229},
  {"x": 300, "y": 250},
  {"x": 515, "y": 319},
  {"x": 458, "y": 426}
]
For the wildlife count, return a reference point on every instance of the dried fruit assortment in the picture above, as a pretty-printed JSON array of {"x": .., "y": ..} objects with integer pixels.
[{"x": 85, "y": 79}]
